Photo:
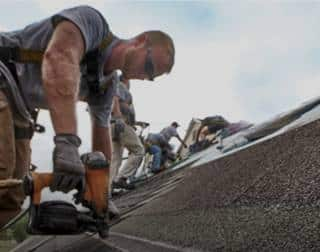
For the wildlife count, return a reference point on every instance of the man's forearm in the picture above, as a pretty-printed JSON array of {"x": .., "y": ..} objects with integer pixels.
[
  {"x": 181, "y": 141},
  {"x": 101, "y": 141},
  {"x": 116, "y": 107},
  {"x": 62, "y": 112}
]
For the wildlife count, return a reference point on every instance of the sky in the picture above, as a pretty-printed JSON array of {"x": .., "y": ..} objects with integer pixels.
[{"x": 245, "y": 60}]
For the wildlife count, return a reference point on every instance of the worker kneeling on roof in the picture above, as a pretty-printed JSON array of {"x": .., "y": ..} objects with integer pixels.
[{"x": 50, "y": 65}]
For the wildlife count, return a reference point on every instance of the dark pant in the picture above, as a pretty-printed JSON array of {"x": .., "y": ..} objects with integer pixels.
[{"x": 14, "y": 160}]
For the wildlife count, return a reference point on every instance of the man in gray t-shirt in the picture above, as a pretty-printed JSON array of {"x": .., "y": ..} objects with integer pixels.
[
  {"x": 50, "y": 65},
  {"x": 124, "y": 136},
  {"x": 126, "y": 101},
  {"x": 165, "y": 135},
  {"x": 157, "y": 144}
]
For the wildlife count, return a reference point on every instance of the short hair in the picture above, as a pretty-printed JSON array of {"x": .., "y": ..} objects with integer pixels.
[
  {"x": 121, "y": 78},
  {"x": 175, "y": 124},
  {"x": 160, "y": 38}
]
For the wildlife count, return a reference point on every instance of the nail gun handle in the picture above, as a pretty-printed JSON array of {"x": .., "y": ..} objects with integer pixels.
[
  {"x": 34, "y": 184},
  {"x": 96, "y": 188},
  {"x": 95, "y": 192}
]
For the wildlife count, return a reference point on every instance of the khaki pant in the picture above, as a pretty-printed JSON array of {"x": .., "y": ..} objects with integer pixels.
[
  {"x": 127, "y": 139},
  {"x": 14, "y": 160}
]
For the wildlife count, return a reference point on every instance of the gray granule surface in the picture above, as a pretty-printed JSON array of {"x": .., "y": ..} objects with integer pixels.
[{"x": 263, "y": 198}]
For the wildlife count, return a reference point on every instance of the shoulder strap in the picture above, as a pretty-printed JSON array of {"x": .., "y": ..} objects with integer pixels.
[
  {"x": 106, "y": 41},
  {"x": 23, "y": 55}
]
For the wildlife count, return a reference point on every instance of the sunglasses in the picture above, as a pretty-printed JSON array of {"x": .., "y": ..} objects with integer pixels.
[{"x": 148, "y": 66}]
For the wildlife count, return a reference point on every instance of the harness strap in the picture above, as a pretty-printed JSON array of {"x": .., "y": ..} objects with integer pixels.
[
  {"x": 23, "y": 133},
  {"x": 29, "y": 56},
  {"x": 23, "y": 55},
  {"x": 106, "y": 41}
]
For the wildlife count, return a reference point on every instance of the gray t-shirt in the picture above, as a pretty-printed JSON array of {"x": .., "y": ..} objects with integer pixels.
[
  {"x": 156, "y": 138},
  {"x": 169, "y": 132},
  {"x": 36, "y": 36},
  {"x": 126, "y": 105}
]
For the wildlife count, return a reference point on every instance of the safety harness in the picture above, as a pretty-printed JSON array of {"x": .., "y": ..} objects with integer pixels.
[
  {"x": 30, "y": 56},
  {"x": 10, "y": 55}
]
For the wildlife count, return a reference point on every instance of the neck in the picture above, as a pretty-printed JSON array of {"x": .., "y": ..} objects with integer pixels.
[
  {"x": 127, "y": 85},
  {"x": 117, "y": 57}
]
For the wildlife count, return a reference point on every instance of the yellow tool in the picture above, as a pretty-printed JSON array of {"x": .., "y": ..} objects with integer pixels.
[{"x": 59, "y": 217}]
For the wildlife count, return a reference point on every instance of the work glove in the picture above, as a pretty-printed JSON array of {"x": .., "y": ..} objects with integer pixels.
[
  {"x": 119, "y": 126},
  {"x": 131, "y": 118},
  {"x": 68, "y": 170},
  {"x": 95, "y": 159}
]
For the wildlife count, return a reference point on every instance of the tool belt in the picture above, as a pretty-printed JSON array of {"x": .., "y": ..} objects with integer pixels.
[{"x": 18, "y": 105}]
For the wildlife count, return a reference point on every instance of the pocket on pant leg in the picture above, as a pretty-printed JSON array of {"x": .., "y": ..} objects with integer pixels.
[
  {"x": 16, "y": 196},
  {"x": 132, "y": 142},
  {"x": 7, "y": 141},
  {"x": 23, "y": 156}
]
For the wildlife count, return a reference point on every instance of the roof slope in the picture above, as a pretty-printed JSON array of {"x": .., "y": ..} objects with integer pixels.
[{"x": 265, "y": 197}]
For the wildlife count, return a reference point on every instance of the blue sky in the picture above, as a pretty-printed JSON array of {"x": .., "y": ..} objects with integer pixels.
[{"x": 244, "y": 60}]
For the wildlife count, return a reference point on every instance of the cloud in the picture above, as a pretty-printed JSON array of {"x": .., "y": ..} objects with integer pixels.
[
  {"x": 51, "y": 7},
  {"x": 274, "y": 43},
  {"x": 243, "y": 60},
  {"x": 307, "y": 87},
  {"x": 243, "y": 66},
  {"x": 248, "y": 61}
]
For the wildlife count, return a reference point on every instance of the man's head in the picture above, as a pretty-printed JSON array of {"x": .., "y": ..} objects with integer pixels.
[
  {"x": 175, "y": 124},
  {"x": 125, "y": 81},
  {"x": 148, "y": 55}
]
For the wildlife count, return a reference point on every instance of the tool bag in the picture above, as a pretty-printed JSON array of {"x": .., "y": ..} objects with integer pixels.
[
  {"x": 217, "y": 121},
  {"x": 54, "y": 217}
]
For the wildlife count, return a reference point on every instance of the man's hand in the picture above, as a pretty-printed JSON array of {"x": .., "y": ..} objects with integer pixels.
[
  {"x": 142, "y": 124},
  {"x": 68, "y": 170},
  {"x": 119, "y": 126}
]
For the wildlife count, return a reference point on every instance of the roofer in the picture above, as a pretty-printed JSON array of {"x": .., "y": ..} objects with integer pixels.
[
  {"x": 218, "y": 125},
  {"x": 50, "y": 65},
  {"x": 124, "y": 136},
  {"x": 158, "y": 145}
]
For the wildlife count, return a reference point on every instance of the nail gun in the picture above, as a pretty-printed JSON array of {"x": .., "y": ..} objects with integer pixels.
[{"x": 62, "y": 218}]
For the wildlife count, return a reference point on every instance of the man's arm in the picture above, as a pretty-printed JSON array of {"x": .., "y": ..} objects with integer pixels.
[
  {"x": 101, "y": 140},
  {"x": 181, "y": 141},
  {"x": 116, "y": 107},
  {"x": 119, "y": 124},
  {"x": 61, "y": 75}
]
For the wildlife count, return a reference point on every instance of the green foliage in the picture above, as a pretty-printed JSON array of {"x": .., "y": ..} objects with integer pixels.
[
  {"x": 6, "y": 235},
  {"x": 7, "y": 241},
  {"x": 19, "y": 229},
  {"x": 11, "y": 236}
]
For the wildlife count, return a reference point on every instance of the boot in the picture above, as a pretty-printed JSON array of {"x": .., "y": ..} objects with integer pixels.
[
  {"x": 113, "y": 211},
  {"x": 122, "y": 184}
]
